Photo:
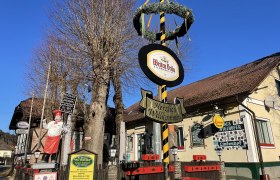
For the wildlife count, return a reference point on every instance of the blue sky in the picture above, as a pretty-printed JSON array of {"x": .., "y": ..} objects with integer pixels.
[{"x": 225, "y": 34}]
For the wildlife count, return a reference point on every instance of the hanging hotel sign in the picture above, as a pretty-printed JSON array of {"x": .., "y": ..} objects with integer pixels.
[
  {"x": 22, "y": 125},
  {"x": 161, "y": 65},
  {"x": 218, "y": 121},
  {"x": 162, "y": 112}
]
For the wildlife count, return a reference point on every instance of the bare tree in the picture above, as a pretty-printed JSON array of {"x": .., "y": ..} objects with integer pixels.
[{"x": 97, "y": 33}]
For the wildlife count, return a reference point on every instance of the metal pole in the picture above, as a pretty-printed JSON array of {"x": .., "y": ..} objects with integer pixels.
[
  {"x": 43, "y": 108},
  {"x": 27, "y": 140}
]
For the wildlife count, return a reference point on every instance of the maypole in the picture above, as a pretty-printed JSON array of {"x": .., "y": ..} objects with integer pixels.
[
  {"x": 163, "y": 99},
  {"x": 162, "y": 66}
]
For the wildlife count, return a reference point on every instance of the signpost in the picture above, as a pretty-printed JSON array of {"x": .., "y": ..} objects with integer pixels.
[{"x": 68, "y": 102}]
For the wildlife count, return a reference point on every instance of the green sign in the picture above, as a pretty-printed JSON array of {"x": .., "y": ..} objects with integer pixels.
[
  {"x": 162, "y": 112},
  {"x": 82, "y": 165},
  {"x": 82, "y": 161}
]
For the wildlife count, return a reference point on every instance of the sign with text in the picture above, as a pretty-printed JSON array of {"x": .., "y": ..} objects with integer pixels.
[
  {"x": 162, "y": 112},
  {"x": 161, "y": 65},
  {"x": 82, "y": 166},
  {"x": 231, "y": 136},
  {"x": 218, "y": 121},
  {"x": 22, "y": 125},
  {"x": 68, "y": 102},
  {"x": 22, "y": 131}
]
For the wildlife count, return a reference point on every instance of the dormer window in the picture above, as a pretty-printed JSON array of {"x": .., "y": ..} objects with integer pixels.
[{"x": 277, "y": 82}]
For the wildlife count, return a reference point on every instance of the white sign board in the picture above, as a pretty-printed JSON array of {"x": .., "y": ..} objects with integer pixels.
[
  {"x": 22, "y": 131},
  {"x": 68, "y": 102},
  {"x": 45, "y": 176},
  {"x": 22, "y": 125}
]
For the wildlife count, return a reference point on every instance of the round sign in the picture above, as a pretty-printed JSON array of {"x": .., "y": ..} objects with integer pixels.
[
  {"x": 22, "y": 124},
  {"x": 82, "y": 161},
  {"x": 161, "y": 65},
  {"x": 218, "y": 121}
]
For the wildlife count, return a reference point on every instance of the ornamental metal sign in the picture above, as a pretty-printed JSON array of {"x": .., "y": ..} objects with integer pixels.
[
  {"x": 22, "y": 125},
  {"x": 68, "y": 102},
  {"x": 162, "y": 112},
  {"x": 161, "y": 65}
]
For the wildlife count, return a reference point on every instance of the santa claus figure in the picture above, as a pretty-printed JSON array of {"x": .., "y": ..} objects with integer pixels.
[{"x": 52, "y": 141}]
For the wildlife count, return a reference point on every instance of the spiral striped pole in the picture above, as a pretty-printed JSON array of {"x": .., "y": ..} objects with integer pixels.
[{"x": 165, "y": 146}]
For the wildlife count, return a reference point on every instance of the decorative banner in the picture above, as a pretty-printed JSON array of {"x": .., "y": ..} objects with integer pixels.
[
  {"x": 162, "y": 112},
  {"x": 81, "y": 166},
  {"x": 231, "y": 136},
  {"x": 218, "y": 121},
  {"x": 161, "y": 65}
]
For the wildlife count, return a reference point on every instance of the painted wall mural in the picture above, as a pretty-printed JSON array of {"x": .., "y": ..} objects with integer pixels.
[{"x": 231, "y": 136}]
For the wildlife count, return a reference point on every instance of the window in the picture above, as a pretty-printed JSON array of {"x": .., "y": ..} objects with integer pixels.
[
  {"x": 197, "y": 135},
  {"x": 265, "y": 132},
  {"x": 129, "y": 143},
  {"x": 277, "y": 82},
  {"x": 180, "y": 138}
]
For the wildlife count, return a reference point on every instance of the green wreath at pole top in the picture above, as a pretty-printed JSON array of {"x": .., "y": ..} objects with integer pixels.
[{"x": 168, "y": 8}]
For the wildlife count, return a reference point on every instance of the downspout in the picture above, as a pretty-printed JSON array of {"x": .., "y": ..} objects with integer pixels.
[{"x": 254, "y": 121}]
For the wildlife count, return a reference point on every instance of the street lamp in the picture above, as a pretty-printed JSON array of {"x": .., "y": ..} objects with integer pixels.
[
  {"x": 219, "y": 153},
  {"x": 37, "y": 155},
  {"x": 112, "y": 153},
  {"x": 174, "y": 151}
]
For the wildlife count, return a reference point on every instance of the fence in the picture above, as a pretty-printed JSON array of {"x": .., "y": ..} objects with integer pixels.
[{"x": 198, "y": 170}]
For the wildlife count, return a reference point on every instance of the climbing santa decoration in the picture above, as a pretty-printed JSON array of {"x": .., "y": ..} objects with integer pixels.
[{"x": 55, "y": 129}]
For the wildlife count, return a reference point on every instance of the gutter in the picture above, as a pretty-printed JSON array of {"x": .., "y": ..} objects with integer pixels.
[{"x": 257, "y": 139}]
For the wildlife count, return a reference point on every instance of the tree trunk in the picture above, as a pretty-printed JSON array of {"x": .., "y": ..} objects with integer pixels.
[
  {"x": 118, "y": 101},
  {"x": 94, "y": 128}
]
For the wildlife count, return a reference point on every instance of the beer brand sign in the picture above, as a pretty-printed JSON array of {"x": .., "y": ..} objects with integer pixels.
[
  {"x": 162, "y": 112},
  {"x": 161, "y": 65}
]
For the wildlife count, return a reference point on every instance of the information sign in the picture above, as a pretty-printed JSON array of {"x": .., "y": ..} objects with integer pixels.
[
  {"x": 22, "y": 131},
  {"x": 162, "y": 112},
  {"x": 68, "y": 102},
  {"x": 82, "y": 165}
]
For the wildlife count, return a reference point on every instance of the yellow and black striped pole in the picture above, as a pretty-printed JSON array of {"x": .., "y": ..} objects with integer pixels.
[{"x": 163, "y": 96}]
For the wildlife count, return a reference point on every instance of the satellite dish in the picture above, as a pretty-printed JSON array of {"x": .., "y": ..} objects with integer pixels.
[{"x": 269, "y": 102}]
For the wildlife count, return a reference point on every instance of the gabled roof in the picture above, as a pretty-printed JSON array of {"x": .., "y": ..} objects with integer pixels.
[{"x": 241, "y": 80}]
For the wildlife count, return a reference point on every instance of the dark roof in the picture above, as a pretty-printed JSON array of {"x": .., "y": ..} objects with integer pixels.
[
  {"x": 240, "y": 80},
  {"x": 22, "y": 111}
]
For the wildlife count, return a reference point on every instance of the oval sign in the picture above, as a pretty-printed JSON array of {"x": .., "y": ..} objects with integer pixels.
[
  {"x": 82, "y": 161},
  {"x": 218, "y": 121},
  {"x": 161, "y": 65},
  {"x": 22, "y": 124}
]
